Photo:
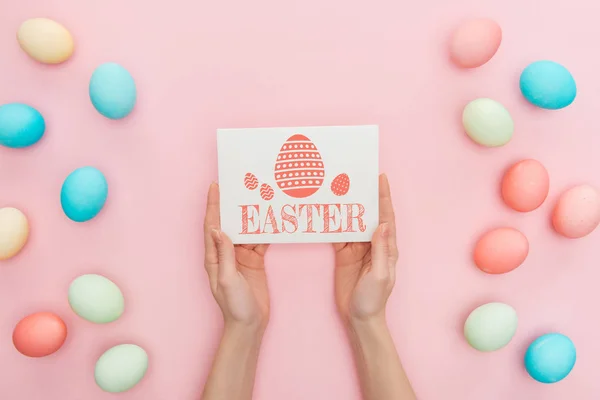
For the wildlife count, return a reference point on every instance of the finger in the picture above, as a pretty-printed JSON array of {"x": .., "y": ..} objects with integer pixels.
[
  {"x": 386, "y": 211},
  {"x": 226, "y": 253},
  {"x": 380, "y": 250},
  {"x": 211, "y": 221}
]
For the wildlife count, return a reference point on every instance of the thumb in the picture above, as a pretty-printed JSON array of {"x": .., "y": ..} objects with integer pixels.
[
  {"x": 226, "y": 254},
  {"x": 380, "y": 250}
]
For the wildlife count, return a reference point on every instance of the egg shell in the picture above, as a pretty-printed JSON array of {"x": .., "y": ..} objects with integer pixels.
[
  {"x": 547, "y": 84},
  {"x": 475, "y": 42},
  {"x": 113, "y": 91},
  {"x": 577, "y": 212},
  {"x": 39, "y": 334},
  {"x": 501, "y": 250},
  {"x": 266, "y": 192},
  {"x": 488, "y": 123},
  {"x": 96, "y": 298},
  {"x": 525, "y": 185},
  {"x": 491, "y": 326},
  {"x": 84, "y": 194},
  {"x": 121, "y": 367},
  {"x": 340, "y": 185},
  {"x": 20, "y": 125},
  {"x": 550, "y": 358},
  {"x": 45, "y": 40},
  {"x": 299, "y": 169},
  {"x": 250, "y": 181},
  {"x": 14, "y": 232}
]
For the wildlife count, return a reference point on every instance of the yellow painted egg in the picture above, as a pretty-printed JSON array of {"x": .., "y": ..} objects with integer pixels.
[
  {"x": 45, "y": 40},
  {"x": 14, "y": 231}
]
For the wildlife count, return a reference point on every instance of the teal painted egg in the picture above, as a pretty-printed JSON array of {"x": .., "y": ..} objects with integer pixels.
[
  {"x": 83, "y": 194},
  {"x": 112, "y": 91},
  {"x": 491, "y": 326},
  {"x": 550, "y": 358},
  {"x": 121, "y": 368},
  {"x": 96, "y": 299},
  {"x": 20, "y": 125},
  {"x": 547, "y": 84}
]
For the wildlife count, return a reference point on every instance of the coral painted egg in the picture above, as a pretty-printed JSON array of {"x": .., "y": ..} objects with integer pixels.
[
  {"x": 340, "y": 185},
  {"x": 250, "y": 181},
  {"x": 112, "y": 91},
  {"x": 14, "y": 231},
  {"x": 299, "y": 169},
  {"x": 45, "y": 40},
  {"x": 121, "y": 368},
  {"x": 550, "y": 358},
  {"x": 548, "y": 85},
  {"x": 475, "y": 42},
  {"x": 266, "y": 192},
  {"x": 20, "y": 125},
  {"x": 491, "y": 326},
  {"x": 96, "y": 299},
  {"x": 83, "y": 194},
  {"x": 488, "y": 123},
  {"x": 39, "y": 334},
  {"x": 525, "y": 185},
  {"x": 577, "y": 212},
  {"x": 501, "y": 250}
]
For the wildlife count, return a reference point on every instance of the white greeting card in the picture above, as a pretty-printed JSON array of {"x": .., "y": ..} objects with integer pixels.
[{"x": 310, "y": 184}]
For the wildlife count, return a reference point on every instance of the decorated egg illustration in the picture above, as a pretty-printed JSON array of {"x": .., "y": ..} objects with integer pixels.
[
  {"x": 250, "y": 181},
  {"x": 340, "y": 185},
  {"x": 299, "y": 169},
  {"x": 266, "y": 192}
]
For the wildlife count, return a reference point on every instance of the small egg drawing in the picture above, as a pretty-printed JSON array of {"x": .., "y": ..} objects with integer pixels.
[
  {"x": 45, "y": 40},
  {"x": 121, "y": 368},
  {"x": 250, "y": 181},
  {"x": 340, "y": 185},
  {"x": 550, "y": 358},
  {"x": 14, "y": 232},
  {"x": 39, "y": 334},
  {"x": 20, "y": 125},
  {"x": 547, "y": 84},
  {"x": 266, "y": 192},
  {"x": 83, "y": 194},
  {"x": 112, "y": 91},
  {"x": 500, "y": 250},
  {"x": 491, "y": 326},
  {"x": 525, "y": 185},
  {"x": 96, "y": 298},
  {"x": 488, "y": 122},
  {"x": 577, "y": 212},
  {"x": 299, "y": 169},
  {"x": 475, "y": 42}
]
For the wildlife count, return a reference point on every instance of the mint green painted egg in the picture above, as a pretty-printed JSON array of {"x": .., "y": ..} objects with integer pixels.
[
  {"x": 96, "y": 299},
  {"x": 491, "y": 326},
  {"x": 121, "y": 367},
  {"x": 488, "y": 123}
]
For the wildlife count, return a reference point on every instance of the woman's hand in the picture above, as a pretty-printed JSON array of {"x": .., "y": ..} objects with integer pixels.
[
  {"x": 365, "y": 272},
  {"x": 236, "y": 273}
]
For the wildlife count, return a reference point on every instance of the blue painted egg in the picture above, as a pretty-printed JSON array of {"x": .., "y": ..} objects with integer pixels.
[
  {"x": 547, "y": 84},
  {"x": 83, "y": 194},
  {"x": 550, "y": 358},
  {"x": 20, "y": 125},
  {"x": 112, "y": 91}
]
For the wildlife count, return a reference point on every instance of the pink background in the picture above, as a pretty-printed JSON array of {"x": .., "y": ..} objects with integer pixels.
[{"x": 204, "y": 65}]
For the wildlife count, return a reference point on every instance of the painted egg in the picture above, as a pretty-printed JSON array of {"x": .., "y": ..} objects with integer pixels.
[
  {"x": 45, "y": 40},
  {"x": 550, "y": 358},
  {"x": 20, "y": 125},
  {"x": 39, "y": 334},
  {"x": 299, "y": 169},
  {"x": 121, "y": 368},
  {"x": 83, "y": 194},
  {"x": 577, "y": 212},
  {"x": 112, "y": 91},
  {"x": 501, "y": 250},
  {"x": 491, "y": 326},
  {"x": 250, "y": 181},
  {"x": 96, "y": 299},
  {"x": 525, "y": 185},
  {"x": 488, "y": 123},
  {"x": 266, "y": 192},
  {"x": 14, "y": 231},
  {"x": 340, "y": 185},
  {"x": 475, "y": 42},
  {"x": 547, "y": 84}
]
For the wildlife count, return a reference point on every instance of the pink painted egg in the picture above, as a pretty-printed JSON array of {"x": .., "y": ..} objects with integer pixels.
[
  {"x": 266, "y": 192},
  {"x": 475, "y": 42},
  {"x": 340, "y": 185},
  {"x": 250, "y": 181},
  {"x": 525, "y": 185},
  {"x": 577, "y": 212},
  {"x": 299, "y": 169},
  {"x": 501, "y": 250}
]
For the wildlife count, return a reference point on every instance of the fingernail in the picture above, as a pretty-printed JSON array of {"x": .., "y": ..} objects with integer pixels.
[
  {"x": 216, "y": 235},
  {"x": 384, "y": 230}
]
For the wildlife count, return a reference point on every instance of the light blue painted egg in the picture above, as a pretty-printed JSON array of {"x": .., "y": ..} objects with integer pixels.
[
  {"x": 550, "y": 358},
  {"x": 20, "y": 125},
  {"x": 547, "y": 84},
  {"x": 83, "y": 194},
  {"x": 112, "y": 91}
]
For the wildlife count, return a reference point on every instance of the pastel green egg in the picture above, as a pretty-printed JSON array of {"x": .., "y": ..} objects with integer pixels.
[
  {"x": 488, "y": 123},
  {"x": 121, "y": 367},
  {"x": 491, "y": 326},
  {"x": 96, "y": 299}
]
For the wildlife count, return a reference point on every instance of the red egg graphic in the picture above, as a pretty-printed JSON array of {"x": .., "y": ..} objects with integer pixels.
[
  {"x": 340, "y": 185},
  {"x": 250, "y": 181},
  {"x": 299, "y": 169},
  {"x": 266, "y": 192}
]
